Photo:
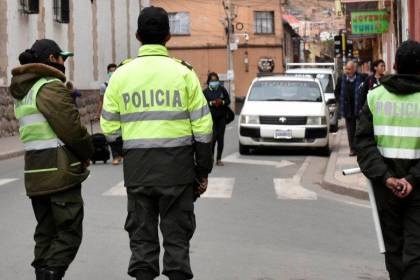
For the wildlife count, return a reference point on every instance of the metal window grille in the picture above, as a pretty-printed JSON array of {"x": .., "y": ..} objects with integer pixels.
[
  {"x": 264, "y": 22},
  {"x": 61, "y": 11},
  {"x": 30, "y": 6},
  {"x": 179, "y": 23}
]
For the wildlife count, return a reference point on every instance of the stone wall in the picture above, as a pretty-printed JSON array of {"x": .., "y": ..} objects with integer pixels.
[
  {"x": 87, "y": 104},
  {"x": 8, "y": 123}
]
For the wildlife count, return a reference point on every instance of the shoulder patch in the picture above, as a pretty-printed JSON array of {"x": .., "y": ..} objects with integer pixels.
[{"x": 183, "y": 62}]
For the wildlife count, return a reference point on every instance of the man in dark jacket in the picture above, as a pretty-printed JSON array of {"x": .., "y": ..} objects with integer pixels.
[
  {"x": 388, "y": 151},
  {"x": 57, "y": 151},
  {"x": 347, "y": 92}
]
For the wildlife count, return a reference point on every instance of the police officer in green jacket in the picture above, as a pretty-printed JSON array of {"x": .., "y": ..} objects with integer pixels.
[
  {"x": 388, "y": 152},
  {"x": 57, "y": 151},
  {"x": 157, "y": 104}
]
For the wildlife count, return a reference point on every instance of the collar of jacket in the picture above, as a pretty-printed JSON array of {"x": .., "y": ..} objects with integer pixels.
[
  {"x": 153, "y": 50},
  {"x": 40, "y": 69}
]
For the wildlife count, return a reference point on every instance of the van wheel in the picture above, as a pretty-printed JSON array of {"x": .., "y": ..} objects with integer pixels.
[{"x": 244, "y": 150}]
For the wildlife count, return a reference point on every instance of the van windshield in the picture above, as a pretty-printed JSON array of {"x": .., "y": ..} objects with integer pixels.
[
  {"x": 300, "y": 91},
  {"x": 326, "y": 80}
]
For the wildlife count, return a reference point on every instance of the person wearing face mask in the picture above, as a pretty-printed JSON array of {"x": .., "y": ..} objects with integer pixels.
[
  {"x": 110, "y": 69},
  {"x": 57, "y": 151},
  {"x": 218, "y": 99},
  {"x": 116, "y": 146}
]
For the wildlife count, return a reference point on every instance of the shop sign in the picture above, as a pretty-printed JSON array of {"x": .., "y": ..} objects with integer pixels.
[{"x": 373, "y": 22}]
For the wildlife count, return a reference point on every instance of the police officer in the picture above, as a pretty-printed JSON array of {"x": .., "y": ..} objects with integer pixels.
[
  {"x": 156, "y": 102},
  {"x": 57, "y": 151},
  {"x": 388, "y": 151}
]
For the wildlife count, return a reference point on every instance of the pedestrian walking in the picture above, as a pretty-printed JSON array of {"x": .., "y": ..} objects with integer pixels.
[
  {"x": 57, "y": 151},
  {"x": 378, "y": 71},
  {"x": 157, "y": 103},
  {"x": 388, "y": 151},
  {"x": 115, "y": 144},
  {"x": 347, "y": 92},
  {"x": 218, "y": 99}
]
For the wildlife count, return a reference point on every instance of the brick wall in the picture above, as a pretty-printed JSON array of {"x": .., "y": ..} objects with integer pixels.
[{"x": 87, "y": 105}]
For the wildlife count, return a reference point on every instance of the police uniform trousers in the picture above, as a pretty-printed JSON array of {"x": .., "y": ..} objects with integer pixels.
[
  {"x": 400, "y": 221},
  {"x": 58, "y": 234},
  {"x": 173, "y": 207}
]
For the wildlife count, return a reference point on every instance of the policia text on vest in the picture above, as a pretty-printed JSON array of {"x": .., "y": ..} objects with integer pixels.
[
  {"x": 149, "y": 99},
  {"x": 388, "y": 152},
  {"x": 156, "y": 103}
]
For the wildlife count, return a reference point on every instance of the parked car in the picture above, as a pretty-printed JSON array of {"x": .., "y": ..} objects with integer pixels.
[
  {"x": 327, "y": 79},
  {"x": 284, "y": 111}
]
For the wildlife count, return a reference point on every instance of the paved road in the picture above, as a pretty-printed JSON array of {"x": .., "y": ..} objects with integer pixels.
[{"x": 264, "y": 218}]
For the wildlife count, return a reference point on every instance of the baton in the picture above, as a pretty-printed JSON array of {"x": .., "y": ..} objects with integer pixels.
[{"x": 375, "y": 214}]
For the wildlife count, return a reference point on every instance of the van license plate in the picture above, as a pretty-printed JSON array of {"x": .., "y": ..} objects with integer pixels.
[{"x": 283, "y": 134}]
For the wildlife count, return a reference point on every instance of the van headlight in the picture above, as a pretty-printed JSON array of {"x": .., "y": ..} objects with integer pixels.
[
  {"x": 250, "y": 119},
  {"x": 316, "y": 120}
]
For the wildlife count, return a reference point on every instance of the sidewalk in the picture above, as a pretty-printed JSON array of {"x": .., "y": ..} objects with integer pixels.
[
  {"x": 11, "y": 147},
  {"x": 334, "y": 180}
]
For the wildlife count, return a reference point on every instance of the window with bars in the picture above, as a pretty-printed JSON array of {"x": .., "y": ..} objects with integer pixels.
[
  {"x": 264, "y": 22},
  {"x": 61, "y": 11},
  {"x": 30, "y": 6},
  {"x": 179, "y": 23}
]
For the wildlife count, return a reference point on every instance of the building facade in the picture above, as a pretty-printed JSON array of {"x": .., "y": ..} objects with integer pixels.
[
  {"x": 199, "y": 36},
  {"x": 411, "y": 8},
  {"x": 401, "y": 18},
  {"x": 99, "y": 32}
]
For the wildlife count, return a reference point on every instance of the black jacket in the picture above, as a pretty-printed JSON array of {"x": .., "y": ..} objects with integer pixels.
[
  {"x": 373, "y": 165},
  {"x": 350, "y": 103},
  {"x": 370, "y": 83},
  {"x": 212, "y": 95}
]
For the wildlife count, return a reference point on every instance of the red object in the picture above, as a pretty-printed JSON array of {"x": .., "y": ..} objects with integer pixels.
[{"x": 218, "y": 102}]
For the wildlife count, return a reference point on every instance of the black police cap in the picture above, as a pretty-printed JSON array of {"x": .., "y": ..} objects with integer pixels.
[
  {"x": 153, "y": 20},
  {"x": 45, "y": 47}
]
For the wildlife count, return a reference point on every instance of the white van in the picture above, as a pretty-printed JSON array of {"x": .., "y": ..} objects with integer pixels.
[
  {"x": 326, "y": 76},
  {"x": 284, "y": 111}
]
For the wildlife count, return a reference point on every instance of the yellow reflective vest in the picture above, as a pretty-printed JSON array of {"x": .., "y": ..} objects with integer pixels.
[{"x": 157, "y": 105}]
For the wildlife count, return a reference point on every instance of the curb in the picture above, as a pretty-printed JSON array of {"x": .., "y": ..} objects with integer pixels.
[
  {"x": 12, "y": 154},
  {"x": 331, "y": 184}
]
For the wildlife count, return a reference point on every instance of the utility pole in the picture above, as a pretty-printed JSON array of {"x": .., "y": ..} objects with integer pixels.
[{"x": 230, "y": 69}]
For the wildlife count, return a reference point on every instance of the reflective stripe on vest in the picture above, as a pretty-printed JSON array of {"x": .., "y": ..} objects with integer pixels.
[
  {"x": 156, "y": 111},
  {"x": 35, "y": 132},
  {"x": 48, "y": 169},
  {"x": 396, "y": 123}
]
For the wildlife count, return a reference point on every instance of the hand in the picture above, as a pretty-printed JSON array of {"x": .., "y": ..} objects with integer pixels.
[
  {"x": 400, "y": 187},
  {"x": 218, "y": 102},
  {"x": 86, "y": 163},
  {"x": 407, "y": 188},
  {"x": 393, "y": 184},
  {"x": 203, "y": 186}
]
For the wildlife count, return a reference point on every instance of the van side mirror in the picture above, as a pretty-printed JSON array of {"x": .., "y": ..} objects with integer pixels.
[{"x": 331, "y": 101}]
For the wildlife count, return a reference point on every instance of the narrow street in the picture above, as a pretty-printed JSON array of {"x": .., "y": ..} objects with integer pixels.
[{"x": 264, "y": 217}]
